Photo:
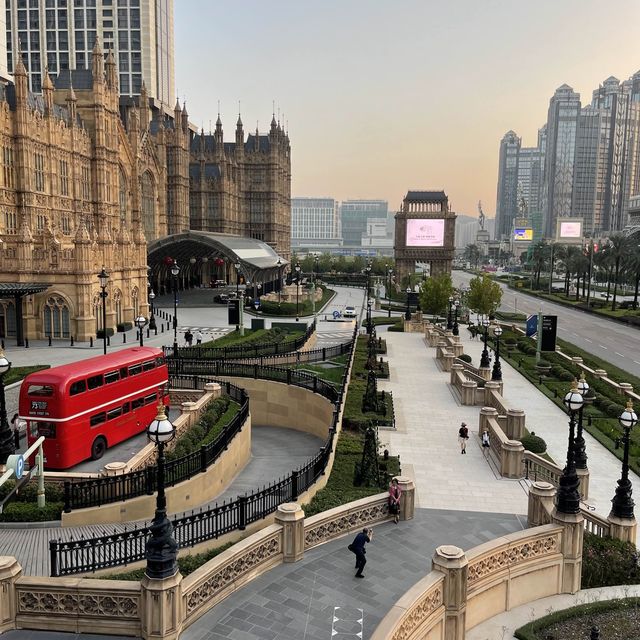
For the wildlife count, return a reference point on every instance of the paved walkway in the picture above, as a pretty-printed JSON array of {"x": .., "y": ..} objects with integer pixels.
[{"x": 274, "y": 452}]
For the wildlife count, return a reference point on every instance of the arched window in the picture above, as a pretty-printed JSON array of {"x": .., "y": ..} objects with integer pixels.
[
  {"x": 117, "y": 302},
  {"x": 135, "y": 301},
  {"x": 123, "y": 198},
  {"x": 56, "y": 317},
  {"x": 7, "y": 319},
  {"x": 148, "y": 192},
  {"x": 97, "y": 310}
]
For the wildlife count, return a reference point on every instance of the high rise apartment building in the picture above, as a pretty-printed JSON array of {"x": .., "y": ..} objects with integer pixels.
[
  {"x": 507, "y": 196},
  {"x": 355, "y": 214},
  {"x": 56, "y": 35},
  {"x": 315, "y": 222},
  {"x": 586, "y": 164}
]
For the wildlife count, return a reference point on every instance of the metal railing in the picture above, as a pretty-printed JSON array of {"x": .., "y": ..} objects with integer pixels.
[
  {"x": 239, "y": 351},
  {"x": 94, "y": 492},
  {"x": 125, "y": 547}
]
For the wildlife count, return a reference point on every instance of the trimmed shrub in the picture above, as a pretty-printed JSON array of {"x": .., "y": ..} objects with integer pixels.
[
  {"x": 566, "y": 376},
  {"x": 465, "y": 357},
  {"x": 607, "y": 562},
  {"x": 124, "y": 326},
  {"x": 534, "y": 443},
  {"x": 100, "y": 332},
  {"x": 614, "y": 410}
]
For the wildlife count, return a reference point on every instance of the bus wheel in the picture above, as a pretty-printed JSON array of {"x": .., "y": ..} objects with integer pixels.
[{"x": 98, "y": 448}]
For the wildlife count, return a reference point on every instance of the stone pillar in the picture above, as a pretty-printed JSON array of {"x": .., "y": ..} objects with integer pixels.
[
  {"x": 469, "y": 392},
  {"x": 515, "y": 424},
  {"x": 161, "y": 608},
  {"x": 453, "y": 563},
  {"x": 485, "y": 373},
  {"x": 485, "y": 414},
  {"x": 625, "y": 388},
  {"x": 441, "y": 347},
  {"x": 541, "y": 496},
  {"x": 214, "y": 388},
  {"x": 407, "y": 497},
  {"x": 583, "y": 476},
  {"x": 511, "y": 457},
  {"x": 572, "y": 537},
  {"x": 10, "y": 571},
  {"x": 291, "y": 517},
  {"x": 189, "y": 408},
  {"x": 600, "y": 373},
  {"x": 455, "y": 368},
  {"x": 490, "y": 387},
  {"x": 625, "y": 529},
  {"x": 447, "y": 361}
]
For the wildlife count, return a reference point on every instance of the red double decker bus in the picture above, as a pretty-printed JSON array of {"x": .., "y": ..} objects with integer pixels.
[{"x": 85, "y": 407}]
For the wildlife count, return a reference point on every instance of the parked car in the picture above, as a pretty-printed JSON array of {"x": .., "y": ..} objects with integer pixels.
[
  {"x": 349, "y": 312},
  {"x": 221, "y": 298}
]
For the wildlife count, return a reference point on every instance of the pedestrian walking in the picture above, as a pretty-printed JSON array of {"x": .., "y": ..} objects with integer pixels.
[
  {"x": 463, "y": 436},
  {"x": 188, "y": 337},
  {"x": 15, "y": 421},
  {"x": 486, "y": 443},
  {"x": 357, "y": 547},
  {"x": 394, "y": 500},
  {"x": 198, "y": 337}
]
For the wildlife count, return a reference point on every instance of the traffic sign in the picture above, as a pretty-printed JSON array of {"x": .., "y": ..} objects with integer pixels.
[
  {"x": 336, "y": 314},
  {"x": 16, "y": 462},
  {"x": 532, "y": 326}
]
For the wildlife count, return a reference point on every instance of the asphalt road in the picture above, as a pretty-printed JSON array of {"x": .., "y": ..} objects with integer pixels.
[{"x": 607, "y": 339}]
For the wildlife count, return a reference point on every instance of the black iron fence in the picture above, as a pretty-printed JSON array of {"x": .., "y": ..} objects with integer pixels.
[
  {"x": 240, "y": 351},
  {"x": 95, "y": 492},
  {"x": 128, "y": 546}
]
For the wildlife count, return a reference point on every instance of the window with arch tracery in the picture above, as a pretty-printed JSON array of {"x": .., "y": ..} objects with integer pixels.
[
  {"x": 56, "y": 317},
  {"x": 135, "y": 301},
  {"x": 123, "y": 198},
  {"x": 97, "y": 311},
  {"x": 117, "y": 302},
  {"x": 148, "y": 193},
  {"x": 7, "y": 319}
]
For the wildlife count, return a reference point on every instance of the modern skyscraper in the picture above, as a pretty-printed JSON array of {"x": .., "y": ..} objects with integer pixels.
[
  {"x": 315, "y": 223},
  {"x": 60, "y": 34},
  {"x": 507, "y": 198},
  {"x": 562, "y": 126},
  {"x": 354, "y": 217}
]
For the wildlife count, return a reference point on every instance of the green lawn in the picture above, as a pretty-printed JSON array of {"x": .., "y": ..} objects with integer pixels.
[
  {"x": 280, "y": 335},
  {"x": 18, "y": 373},
  {"x": 288, "y": 309}
]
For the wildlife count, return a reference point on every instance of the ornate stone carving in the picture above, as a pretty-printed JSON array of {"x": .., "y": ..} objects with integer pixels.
[
  {"x": 224, "y": 575},
  {"x": 73, "y": 603},
  {"x": 512, "y": 556},
  {"x": 426, "y": 605},
  {"x": 350, "y": 521}
]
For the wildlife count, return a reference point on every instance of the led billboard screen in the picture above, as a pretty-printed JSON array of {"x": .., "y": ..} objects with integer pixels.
[
  {"x": 523, "y": 233},
  {"x": 423, "y": 232},
  {"x": 571, "y": 229}
]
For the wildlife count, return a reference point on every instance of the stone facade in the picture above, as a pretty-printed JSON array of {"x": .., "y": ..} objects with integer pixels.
[{"x": 87, "y": 178}]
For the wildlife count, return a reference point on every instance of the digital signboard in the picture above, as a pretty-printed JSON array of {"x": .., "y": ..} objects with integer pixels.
[
  {"x": 425, "y": 232},
  {"x": 523, "y": 233},
  {"x": 570, "y": 229}
]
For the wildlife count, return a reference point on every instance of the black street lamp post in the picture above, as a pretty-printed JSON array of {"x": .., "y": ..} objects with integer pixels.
[
  {"x": 175, "y": 270},
  {"x": 7, "y": 444},
  {"x": 389, "y": 274},
  {"x": 568, "y": 496},
  {"x": 407, "y": 313},
  {"x": 368, "y": 272},
  {"x": 152, "y": 319},
  {"x": 103, "y": 277},
  {"x": 496, "y": 374},
  {"x": 622, "y": 501},
  {"x": 279, "y": 263},
  {"x": 141, "y": 323},
  {"x": 485, "y": 361},
  {"x": 579, "y": 446},
  {"x": 449, "y": 322},
  {"x": 369, "y": 320},
  {"x": 162, "y": 549},
  {"x": 297, "y": 269},
  {"x": 456, "y": 305},
  {"x": 237, "y": 266}
]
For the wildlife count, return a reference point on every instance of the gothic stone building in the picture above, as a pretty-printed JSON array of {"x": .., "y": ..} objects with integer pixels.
[{"x": 87, "y": 179}]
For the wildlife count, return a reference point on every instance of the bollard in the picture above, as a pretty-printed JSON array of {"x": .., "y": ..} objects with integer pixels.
[
  {"x": 108, "y": 341},
  {"x": 2, "y": 343},
  {"x": 124, "y": 338},
  {"x": 49, "y": 340},
  {"x": 72, "y": 341},
  {"x": 156, "y": 331},
  {"x": 26, "y": 343},
  {"x": 91, "y": 341},
  {"x": 148, "y": 333}
]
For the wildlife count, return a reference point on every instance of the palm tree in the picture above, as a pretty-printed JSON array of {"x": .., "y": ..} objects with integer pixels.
[
  {"x": 539, "y": 254},
  {"x": 619, "y": 247},
  {"x": 472, "y": 254},
  {"x": 560, "y": 256}
]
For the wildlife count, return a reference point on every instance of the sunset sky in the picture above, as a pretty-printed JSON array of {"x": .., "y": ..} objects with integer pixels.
[{"x": 382, "y": 97}]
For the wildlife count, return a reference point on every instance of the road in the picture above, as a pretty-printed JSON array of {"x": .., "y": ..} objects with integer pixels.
[{"x": 607, "y": 339}]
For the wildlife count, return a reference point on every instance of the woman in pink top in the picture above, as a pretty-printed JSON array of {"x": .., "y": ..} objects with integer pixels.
[{"x": 394, "y": 500}]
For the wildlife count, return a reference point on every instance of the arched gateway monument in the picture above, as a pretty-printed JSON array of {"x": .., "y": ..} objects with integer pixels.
[{"x": 425, "y": 232}]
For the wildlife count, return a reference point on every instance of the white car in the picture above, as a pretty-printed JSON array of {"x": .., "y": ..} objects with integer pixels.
[{"x": 349, "y": 312}]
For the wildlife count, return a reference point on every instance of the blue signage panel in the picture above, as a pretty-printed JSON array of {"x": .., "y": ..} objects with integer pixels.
[{"x": 532, "y": 326}]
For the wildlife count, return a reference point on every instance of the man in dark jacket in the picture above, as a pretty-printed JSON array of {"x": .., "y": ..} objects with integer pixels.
[{"x": 357, "y": 546}]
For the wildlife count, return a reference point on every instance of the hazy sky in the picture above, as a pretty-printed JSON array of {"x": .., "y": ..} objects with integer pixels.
[{"x": 385, "y": 96}]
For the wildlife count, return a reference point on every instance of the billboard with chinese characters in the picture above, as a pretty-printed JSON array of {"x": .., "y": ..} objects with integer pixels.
[
  {"x": 569, "y": 230},
  {"x": 521, "y": 234},
  {"x": 425, "y": 232}
]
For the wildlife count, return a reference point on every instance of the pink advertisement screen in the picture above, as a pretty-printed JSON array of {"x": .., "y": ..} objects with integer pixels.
[
  {"x": 570, "y": 229},
  {"x": 425, "y": 232}
]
